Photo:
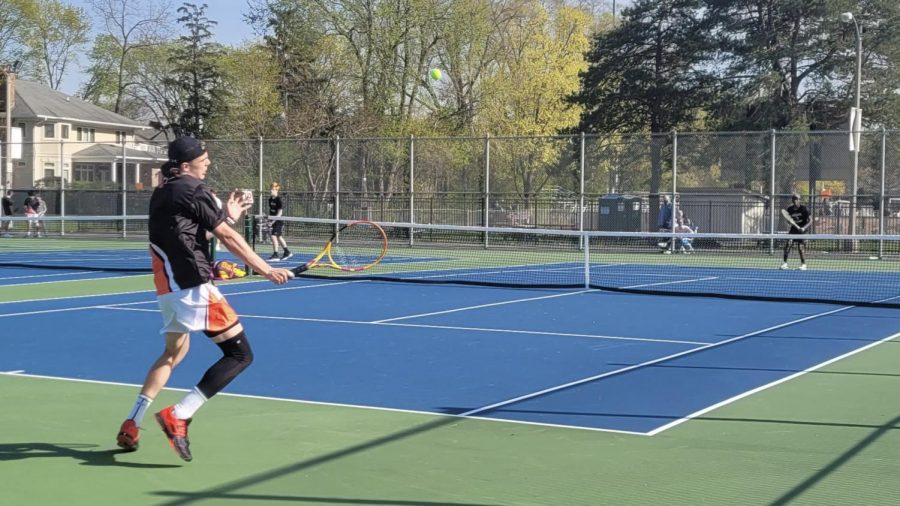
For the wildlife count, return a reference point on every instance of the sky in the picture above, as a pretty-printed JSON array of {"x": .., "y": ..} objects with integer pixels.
[{"x": 231, "y": 31}]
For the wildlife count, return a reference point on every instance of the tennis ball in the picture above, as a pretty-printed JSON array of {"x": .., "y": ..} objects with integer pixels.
[{"x": 435, "y": 74}]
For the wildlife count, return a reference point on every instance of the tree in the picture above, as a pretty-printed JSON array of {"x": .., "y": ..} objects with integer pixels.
[
  {"x": 539, "y": 67},
  {"x": 53, "y": 33},
  {"x": 12, "y": 24},
  {"x": 194, "y": 71},
  {"x": 129, "y": 25},
  {"x": 648, "y": 75}
]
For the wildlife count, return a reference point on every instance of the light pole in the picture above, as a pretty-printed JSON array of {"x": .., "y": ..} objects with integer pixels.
[{"x": 856, "y": 121}]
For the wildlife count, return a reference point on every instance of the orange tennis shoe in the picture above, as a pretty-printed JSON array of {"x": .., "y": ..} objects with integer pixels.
[
  {"x": 128, "y": 436},
  {"x": 176, "y": 430}
]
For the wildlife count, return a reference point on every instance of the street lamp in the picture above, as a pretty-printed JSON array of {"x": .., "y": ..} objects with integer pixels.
[{"x": 847, "y": 18}]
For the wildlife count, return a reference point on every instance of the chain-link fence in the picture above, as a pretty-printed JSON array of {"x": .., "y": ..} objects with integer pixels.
[{"x": 721, "y": 182}]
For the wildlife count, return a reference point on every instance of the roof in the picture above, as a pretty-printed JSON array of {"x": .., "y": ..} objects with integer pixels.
[
  {"x": 111, "y": 151},
  {"x": 34, "y": 100}
]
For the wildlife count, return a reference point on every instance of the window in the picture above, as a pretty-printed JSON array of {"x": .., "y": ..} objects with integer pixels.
[
  {"x": 79, "y": 134},
  {"x": 90, "y": 135},
  {"x": 64, "y": 132},
  {"x": 49, "y": 170},
  {"x": 24, "y": 132},
  {"x": 49, "y": 130},
  {"x": 121, "y": 137}
]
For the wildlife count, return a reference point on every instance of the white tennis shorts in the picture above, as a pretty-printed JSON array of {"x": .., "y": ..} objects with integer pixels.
[{"x": 199, "y": 308}]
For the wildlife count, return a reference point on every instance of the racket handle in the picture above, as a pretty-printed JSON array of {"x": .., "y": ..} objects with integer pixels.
[{"x": 296, "y": 271}]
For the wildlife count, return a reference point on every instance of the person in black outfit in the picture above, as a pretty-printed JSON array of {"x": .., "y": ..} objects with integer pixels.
[
  {"x": 276, "y": 208},
  {"x": 182, "y": 212},
  {"x": 7, "y": 205},
  {"x": 800, "y": 214}
]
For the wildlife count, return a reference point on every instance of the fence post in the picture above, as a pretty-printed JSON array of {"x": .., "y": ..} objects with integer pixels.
[
  {"x": 581, "y": 188},
  {"x": 337, "y": 181},
  {"x": 261, "y": 187},
  {"x": 124, "y": 190},
  {"x": 882, "y": 207},
  {"x": 412, "y": 185},
  {"x": 772, "y": 193},
  {"x": 487, "y": 185},
  {"x": 674, "y": 188},
  {"x": 62, "y": 188}
]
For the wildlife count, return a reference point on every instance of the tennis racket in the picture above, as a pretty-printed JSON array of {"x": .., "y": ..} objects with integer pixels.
[
  {"x": 787, "y": 217},
  {"x": 355, "y": 247}
]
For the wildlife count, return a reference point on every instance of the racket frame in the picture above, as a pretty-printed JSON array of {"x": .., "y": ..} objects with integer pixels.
[{"x": 326, "y": 252}]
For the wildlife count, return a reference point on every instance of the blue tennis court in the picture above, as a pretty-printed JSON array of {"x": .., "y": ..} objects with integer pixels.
[{"x": 575, "y": 358}]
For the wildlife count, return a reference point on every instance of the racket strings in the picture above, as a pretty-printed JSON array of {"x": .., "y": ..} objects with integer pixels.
[{"x": 357, "y": 246}]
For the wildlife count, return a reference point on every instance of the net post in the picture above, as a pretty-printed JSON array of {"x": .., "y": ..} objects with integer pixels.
[
  {"x": 412, "y": 186},
  {"x": 250, "y": 237},
  {"x": 772, "y": 191},
  {"x": 586, "y": 241}
]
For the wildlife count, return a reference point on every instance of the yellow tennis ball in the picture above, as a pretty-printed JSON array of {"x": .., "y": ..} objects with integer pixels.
[{"x": 435, "y": 74}]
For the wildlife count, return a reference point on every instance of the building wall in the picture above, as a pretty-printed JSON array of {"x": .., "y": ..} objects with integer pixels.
[{"x": 45, "y": 156}]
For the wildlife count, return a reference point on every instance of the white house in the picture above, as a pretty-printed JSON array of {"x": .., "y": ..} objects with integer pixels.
[{"x": 66, "y": 138}]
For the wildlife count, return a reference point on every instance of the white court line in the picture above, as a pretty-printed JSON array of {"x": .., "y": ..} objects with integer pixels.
[
  {"x": 768, "y": 386},
  {"x": 107, "y": 306},
  {"x": 615, "y": 372},
  {"x": 482, "y": 306},
  {"x": 497, "y": 270},
  {"x": 73, "y": 280},
  {"x": 18, "y": 371},
  {"x": 670, "y": 282},
  {"x": 330, "y": 404},
  {"x": 43, "y": 276},
  {"x": 439, "y": 327}
]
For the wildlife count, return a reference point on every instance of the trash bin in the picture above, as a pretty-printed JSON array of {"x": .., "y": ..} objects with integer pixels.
[{"x": 620, "y": 213}]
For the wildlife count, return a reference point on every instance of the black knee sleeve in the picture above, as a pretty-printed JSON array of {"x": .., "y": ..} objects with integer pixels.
[{"x": 236, "y": 356}]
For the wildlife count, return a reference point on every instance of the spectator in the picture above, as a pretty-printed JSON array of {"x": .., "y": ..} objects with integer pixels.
[
  {"x": 35, "y": 208},
  {"x": 7, "y": 205},
  {"x": 683, "y": 243}
]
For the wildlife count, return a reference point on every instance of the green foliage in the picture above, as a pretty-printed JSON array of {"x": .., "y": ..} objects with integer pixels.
[
  {"x": 195, "y": 73},
  {"x": 52, "y": 33}
]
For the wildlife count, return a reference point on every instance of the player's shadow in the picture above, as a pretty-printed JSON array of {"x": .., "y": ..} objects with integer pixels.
[{"x": 84, "y": 453}]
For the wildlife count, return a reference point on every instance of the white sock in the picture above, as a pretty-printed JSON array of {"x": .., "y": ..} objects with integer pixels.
[
  {"x": 140, "y": 407},
  {"x": 189, "y": 405}
]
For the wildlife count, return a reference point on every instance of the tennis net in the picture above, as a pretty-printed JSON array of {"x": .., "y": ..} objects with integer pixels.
[
  {"x": 89, "y": 243},
  {"x": 841, "y": 269}
]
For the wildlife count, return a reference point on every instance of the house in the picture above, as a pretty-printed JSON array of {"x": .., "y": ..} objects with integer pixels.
[{"x": 65, "y": 138}]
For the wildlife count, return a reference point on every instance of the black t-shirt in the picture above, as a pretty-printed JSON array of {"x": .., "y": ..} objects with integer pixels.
[
  {"x": 7, "y": 206},
  {"x": 800, "y": 214},
  {"x": 275, "y": 205},
  {"x": 181, "y": 212}
]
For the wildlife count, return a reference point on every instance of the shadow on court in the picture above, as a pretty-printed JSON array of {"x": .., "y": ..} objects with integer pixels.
[
  {"x": 836, "y": 464},
  {"x": 229, "y": 490},
  {"x": 80, "y": 452}
]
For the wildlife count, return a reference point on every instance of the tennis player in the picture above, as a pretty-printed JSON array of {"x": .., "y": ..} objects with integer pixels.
[
  {"x": 800, "y": 214},
  {"x": 276, "y": 208},
  {"x": 182, "y": 211}
]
